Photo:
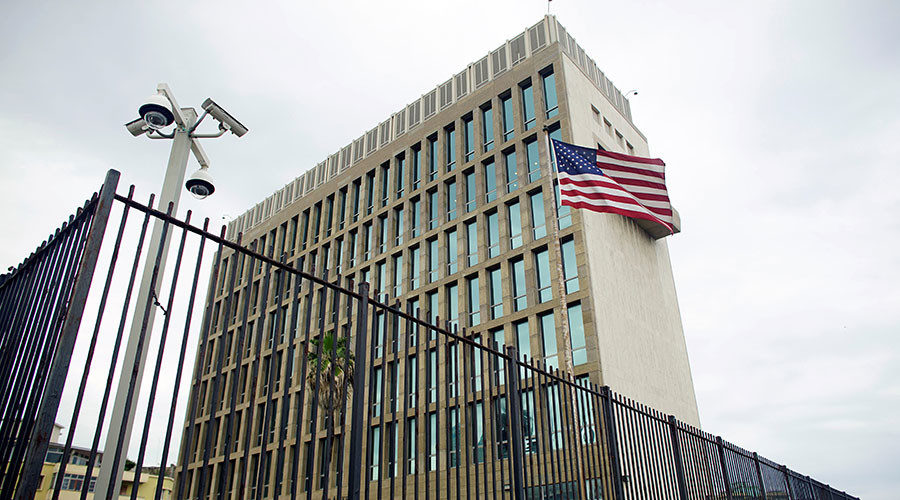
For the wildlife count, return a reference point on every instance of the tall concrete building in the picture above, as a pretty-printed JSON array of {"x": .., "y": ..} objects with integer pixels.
[{"x": 450, "y": 206}]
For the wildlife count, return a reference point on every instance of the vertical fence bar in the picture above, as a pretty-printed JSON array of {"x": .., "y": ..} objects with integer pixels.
[
  {"x": 40, "y": 437},
  {"x": 676, "y": 454},
  {"x": 515, "y": 408},
  {"x": 720, "y": 445},
  {"x": 787, "y": 482},
  {"x": 358, "y": 412},
  {"x": 612, "y": 442}
]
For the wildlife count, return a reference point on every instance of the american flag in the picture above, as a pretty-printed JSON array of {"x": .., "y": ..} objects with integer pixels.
[{"x": 603, "y": 181}]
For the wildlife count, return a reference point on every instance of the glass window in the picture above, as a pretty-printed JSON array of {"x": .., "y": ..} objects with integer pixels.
[
  {"x": 487, "y": 128},
  {"x": 433, "y": 257},
  {"x": 452, "y": 252},
  {"x": 512, "y": 174},
  {"x": 499, "y": 339},
  {"x": 469, "y": 138},
  {"x": 490, "y": 181},
  {"x": 385, "y": 182},
  {"x": 528, "y": 105},
  {"x": 542, "y": 272},
  {"x": 520, "y": 294},
  {"x": 381, "y": 276},
  {"x": 538, "y": 219},
  {"x": 576, "y": 334},
  {"x": 414, "y": 271},
  {"x": 515, "y": 225},
  {"x": 432, "y": 441},
  {"x": 470, "y": 191},
  {"x": 342, "y": 208},
  {"x": 292, "y": 244},
  {"x": 398, "y": 275},
  {"x": 451, "y": 200},
  {"x": 501, "y": 428},
  {"x": 351, "y": 247},
  {"x": 496, "y": 283},
  {"x": 411, "y": 442},
  {"x": 376, "y": 388},
  {"x": 376, "y": 454},
  {"x": 570, "y": 266},
  {"x": 493, "y": 235},
  {"x": 432, "y": 375},
  {"x": 453, "y": 438},
  {"x": 478, "y": 451},
  {"x": 474, "y": 302},
  {"x": 355, "y": 207},
  {"x": 508, "y": 120},
  {"x": 550, "y": 95},
  {"x": 472, "y": 243},
  {"x": 416, "y": 168},
  {"x": 432, "y": 158},
  {"x": 450, "y": 147},
  {"x": 548, "y": 337},
  {"x": 338, "y": 255},
  {"x": 383, "y": 233},
  {"x": 433, "y": 209},
  {"x": 453, "y": 304},
  {"x": 317, "y": 222},
  {"x": 434, "y": 308},
  {"x": 370, "y": 192},
  {"x": 415, "y": 215},
  {"x": 533, "y": 160},
  {"x": 367, "y": 241},
  {"x": 398, "y": 226},
  {"x": 523, "y": 339},
  {"x": 400, "y": 175},
  {"x": 329, "y": 215}
]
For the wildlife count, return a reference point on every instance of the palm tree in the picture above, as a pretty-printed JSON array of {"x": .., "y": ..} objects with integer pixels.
[
  {"x": 330, "y": 376},
  {"x": 336, "y": 366}
]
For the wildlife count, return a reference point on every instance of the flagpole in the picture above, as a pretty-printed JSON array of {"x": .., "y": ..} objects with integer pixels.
[{"x": 568, "y": 364}]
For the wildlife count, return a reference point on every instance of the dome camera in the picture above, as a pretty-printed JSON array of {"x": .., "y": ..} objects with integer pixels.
[
  {"x": 157, "y": 112},
  {"x": 200, "y": 183}
]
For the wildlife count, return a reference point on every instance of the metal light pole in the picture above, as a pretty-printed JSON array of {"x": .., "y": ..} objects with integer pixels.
[{"x": 160, "y": 111}]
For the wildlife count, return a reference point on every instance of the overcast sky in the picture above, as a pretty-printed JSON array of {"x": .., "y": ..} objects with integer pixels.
[{"x": 779, "y": 123}]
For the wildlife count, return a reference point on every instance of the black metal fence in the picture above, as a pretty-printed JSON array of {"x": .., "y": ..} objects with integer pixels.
[{"x": 309, "y": 387}]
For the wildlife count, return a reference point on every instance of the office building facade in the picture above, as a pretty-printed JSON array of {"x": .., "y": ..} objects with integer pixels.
[{"x": 451, "y": 207}]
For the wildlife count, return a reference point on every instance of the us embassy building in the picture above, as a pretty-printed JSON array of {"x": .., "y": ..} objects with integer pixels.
[{"x": 449, "y": 206}]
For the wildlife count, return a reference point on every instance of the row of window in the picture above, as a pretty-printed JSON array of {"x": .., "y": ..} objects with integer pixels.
[{"x": 365, "y": 193}]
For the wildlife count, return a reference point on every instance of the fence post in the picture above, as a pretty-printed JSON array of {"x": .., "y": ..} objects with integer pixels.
[
  {"x": 612, "y": 442},
  {"x": 676, "y": 452},
  {"x": 56, "y": 379},
  {"x": 515, "y": 423},
  {"x": 358, "y": 411},
  {"x": 762, "y": 485},
  {"x": 721, "y": 446},
  {"x": 787, "y": 482}
]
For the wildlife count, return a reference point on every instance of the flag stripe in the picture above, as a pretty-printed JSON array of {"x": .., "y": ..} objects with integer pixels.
[
  {"x": 603, "y": 181},
  {"x": 653, "y": 206},
  {"x": 607, "y": 167},
  {"x": 587, "y": 183},
  {"x": 615, "y": 210}
]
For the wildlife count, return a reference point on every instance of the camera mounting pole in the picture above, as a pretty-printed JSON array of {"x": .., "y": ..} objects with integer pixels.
[{"x": 184, "y": 142}]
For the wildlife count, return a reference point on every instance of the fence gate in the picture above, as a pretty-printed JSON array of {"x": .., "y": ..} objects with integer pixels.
[{"x": 308, "y": 383}]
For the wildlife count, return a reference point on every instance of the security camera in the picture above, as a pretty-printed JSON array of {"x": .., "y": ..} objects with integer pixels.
[
  {"x": 227, "y": 121},
  {"x": 200, "y": 183},
  {"x": 137, "y": 127},
  {"x": 157, "y": 112}
]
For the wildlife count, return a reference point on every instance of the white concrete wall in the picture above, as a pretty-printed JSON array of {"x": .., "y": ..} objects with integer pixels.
[{"x": 642, "y": 348}]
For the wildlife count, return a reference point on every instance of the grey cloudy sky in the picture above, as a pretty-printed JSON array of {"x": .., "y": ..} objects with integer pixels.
[{"x": 780, "y": 123}]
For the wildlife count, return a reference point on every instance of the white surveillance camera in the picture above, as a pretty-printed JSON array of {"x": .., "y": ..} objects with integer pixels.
[
  {"x": 157, "y": 112},
  {"x": 200, "y": 183},
  {"x": 227, "y": 121},
  {"x": 137, "y": 127}
]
